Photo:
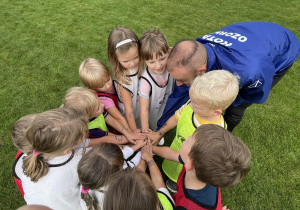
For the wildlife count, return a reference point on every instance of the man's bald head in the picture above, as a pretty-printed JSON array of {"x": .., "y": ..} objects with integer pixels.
[{"x": 189, "y": 56}]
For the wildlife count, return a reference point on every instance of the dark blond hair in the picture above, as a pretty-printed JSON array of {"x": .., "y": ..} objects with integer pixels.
[
  {"x": 18, "y": 133},
  {"x": 83, "y": 99},
  {"x": 153, "y": 42},
  {"x": 96, "y": 167},
  {"x": 217, "y": 89},
  {"x": 117, "y": 35},
  {"x": 130, "y": 189},
  {"x": 220, "y": 159},
  {"x": 93, "y": 73},
  {"x": 51, "y": 134}
]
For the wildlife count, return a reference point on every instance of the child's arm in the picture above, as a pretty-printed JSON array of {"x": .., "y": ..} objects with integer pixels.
[
  {"x": 157, "y": 135},
  {"x": 115, "y": 113},
  {"x": 129, "y": 112},
  {"x": 155, "y": 174},
  {"x": 144, "y": 104},
  {"x": 166, "y": 153},
  {"x": 115, "y": 139},
  {"x": 119, "y": 127}
]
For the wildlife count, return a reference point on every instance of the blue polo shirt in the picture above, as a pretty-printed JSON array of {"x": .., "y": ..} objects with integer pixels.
[{"x": 255, "y": 51}]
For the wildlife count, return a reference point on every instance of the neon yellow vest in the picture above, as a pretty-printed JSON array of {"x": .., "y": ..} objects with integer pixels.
[
  {"x": 99, "y": 122},
  {"x": 185, "y": 128},
  {"x": 165, "y": 201}
]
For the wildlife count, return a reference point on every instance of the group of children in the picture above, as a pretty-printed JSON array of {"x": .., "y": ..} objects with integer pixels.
[{"x": 93, "y": 154}]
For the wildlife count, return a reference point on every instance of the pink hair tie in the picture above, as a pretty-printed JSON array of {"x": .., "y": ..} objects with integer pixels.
[
  {"x": 84, "y": 191},
  {"x": 35, "y": 153}
]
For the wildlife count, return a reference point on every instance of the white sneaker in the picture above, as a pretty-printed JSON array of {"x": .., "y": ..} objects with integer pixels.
[{"x": 161, "y": 142}]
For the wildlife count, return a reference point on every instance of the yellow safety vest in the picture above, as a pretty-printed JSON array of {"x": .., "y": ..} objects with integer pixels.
[
  {"x": 99, "y": 122},
  {"x": 185, "y": 128}
]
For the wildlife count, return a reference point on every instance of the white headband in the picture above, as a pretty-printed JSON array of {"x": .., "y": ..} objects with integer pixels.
[{"x": 123, "y": 42}]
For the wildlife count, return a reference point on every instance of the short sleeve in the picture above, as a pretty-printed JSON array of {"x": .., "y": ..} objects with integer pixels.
[
  {"x": 145, "y": 89},
  {"x": 108, "y": 102}
]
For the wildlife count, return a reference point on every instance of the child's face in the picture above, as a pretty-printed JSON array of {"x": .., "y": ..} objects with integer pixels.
[
  {"x": 157, "y": 65},
  {"x": 99, "y": 109},
  {"x": 200, "y": 108},
  {"x": 186, "y": 148},
  {"x": 106, "y": 87},
  {"x": 130, "y": 59}
]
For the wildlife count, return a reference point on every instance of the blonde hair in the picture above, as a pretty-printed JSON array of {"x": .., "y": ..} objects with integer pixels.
[
  {"x": 18, "y": 133},
  {"x": 130, "y": 189},
  {"x": 51, "y": 134},
  {"x": 225, "y": 159},
  {"x": 96, "y": 167},
  {"x": 82, "y": 99},
  {"x": 153, "y": 42},
  {"x": 117, "y": 35},
  {"x": 93, "y": 73},
  {"x": 218, "y": 88}
]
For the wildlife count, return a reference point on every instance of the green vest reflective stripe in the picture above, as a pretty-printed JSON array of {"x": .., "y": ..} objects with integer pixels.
[
  {"x": 185, "y": 128},
  {"x": 98, "y": 122},
  {"x": 165, "y": 201}
]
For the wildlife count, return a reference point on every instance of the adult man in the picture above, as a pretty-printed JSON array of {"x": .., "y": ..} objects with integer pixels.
[{"x": 260, "y": 53}]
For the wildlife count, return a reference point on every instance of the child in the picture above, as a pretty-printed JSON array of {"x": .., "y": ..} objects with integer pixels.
[
  {"x": 123, "y": 54},
  {"x": 95, "y": 75},
  {"x": 96, "y": 167},
  {"x": 166, "y": 200},
  {"x": 212, "y": 158},
  {"x": 156, "y": 84},
  {"x": 210, "y": 94},
  {"x": 131, "y": 189},
  {"x": 18, "y": 138},
  {"x": 49, "y": 173},
  {"x": 86, "y": 100}
]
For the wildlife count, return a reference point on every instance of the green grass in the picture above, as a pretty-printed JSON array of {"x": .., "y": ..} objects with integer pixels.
[{"x": 43, "y": 42}]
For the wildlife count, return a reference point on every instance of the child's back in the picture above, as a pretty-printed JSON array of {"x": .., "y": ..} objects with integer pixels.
[{"x": 49, "y": 173}]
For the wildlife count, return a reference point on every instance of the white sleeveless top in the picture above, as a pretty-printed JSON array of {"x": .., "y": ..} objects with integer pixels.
[
  {"x": 158, "y": 97},
  {"x": 133, "y": 89}
]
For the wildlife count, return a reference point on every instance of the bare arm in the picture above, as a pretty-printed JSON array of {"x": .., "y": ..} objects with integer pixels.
[
  {"x": 144, "y": 104},
  {"x": 115, "y": 113},
  {"x": 155, "y": 174},
  {"x": 156, "y": 136},
  {"x": 116, "y": 139},
  {"x": 166, "y": 153},
  {"x": 129, "y": 112},
  {"x": 119, "y": 127}
]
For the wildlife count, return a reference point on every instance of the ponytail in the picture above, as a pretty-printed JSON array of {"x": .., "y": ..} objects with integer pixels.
[
  {"x": 35, "y": 166},
  {"x": 91, "y": 203}
]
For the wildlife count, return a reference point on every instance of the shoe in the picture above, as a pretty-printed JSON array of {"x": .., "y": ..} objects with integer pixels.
[
  {"x": 171, "y": 186},
  {"x": 161, "y": 142}
]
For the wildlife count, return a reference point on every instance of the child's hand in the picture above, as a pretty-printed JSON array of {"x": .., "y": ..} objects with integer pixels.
[
  {"x": 154, "y": 137},
  {"x": 225, "y": 208},
  {"x": 147, "y": 151},
  {"x": 147, "y": 131},
  {"x": 137, "y": 131},
  {"x": 135, "y": 136},
  {"x": 140, "y": 143}
]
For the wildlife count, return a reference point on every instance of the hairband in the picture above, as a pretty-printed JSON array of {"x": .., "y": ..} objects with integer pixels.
[
  {"x": 35, "y": 153},
  {"x": 123, "y": 42},
  {"x": 84, "y": 191}
]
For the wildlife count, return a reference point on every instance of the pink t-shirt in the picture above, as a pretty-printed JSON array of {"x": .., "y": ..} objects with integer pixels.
[
  {"x": 108, "y": 102},
  {"x": 160, "y": 79}
]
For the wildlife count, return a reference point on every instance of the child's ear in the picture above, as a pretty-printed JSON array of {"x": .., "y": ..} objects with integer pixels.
[
  {"x": 217, "y": 112},
  {"x": 189, "y": 165}
]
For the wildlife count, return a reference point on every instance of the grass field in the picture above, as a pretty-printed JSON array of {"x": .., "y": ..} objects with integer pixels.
[{"x": 43, "y": 42}]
